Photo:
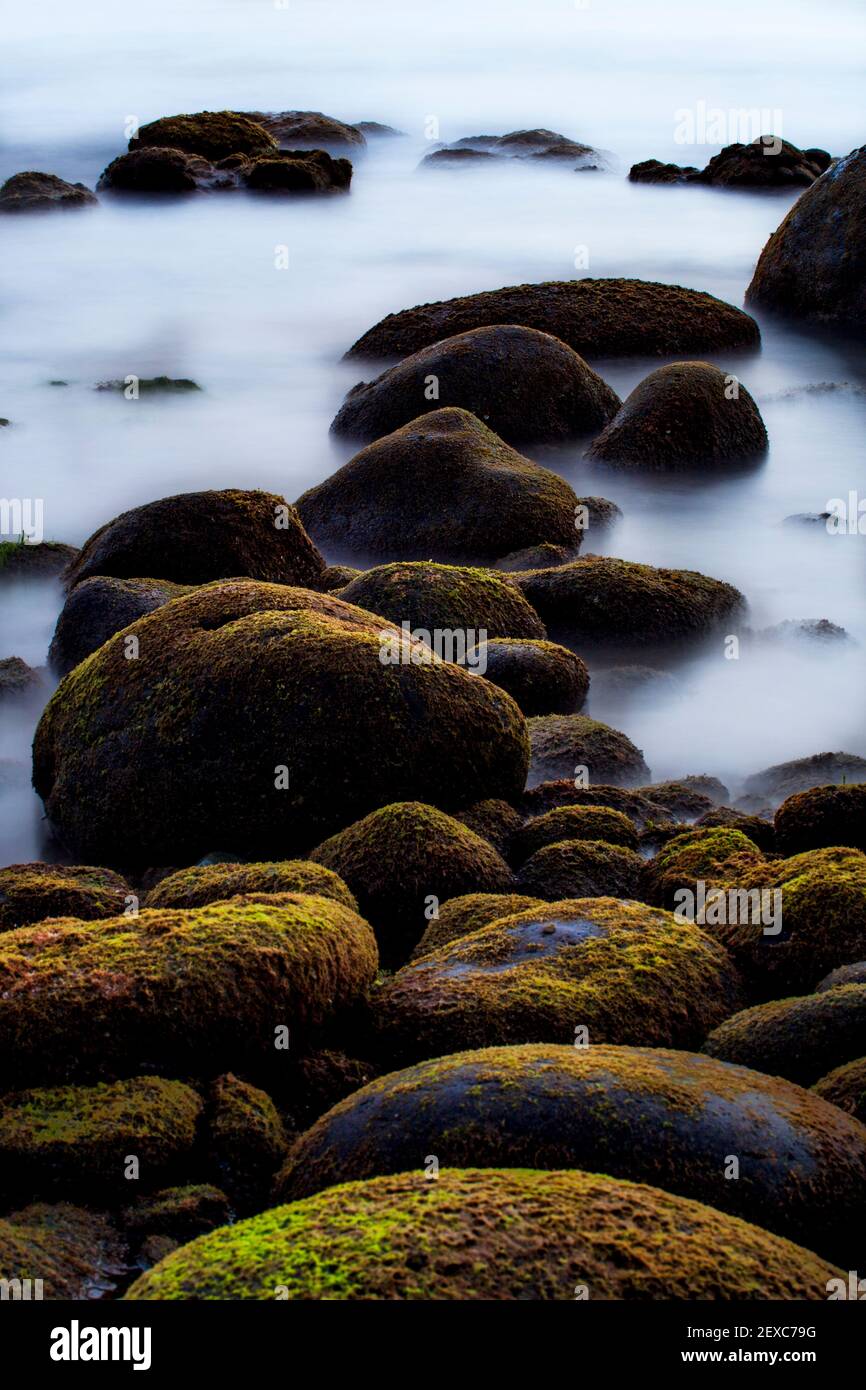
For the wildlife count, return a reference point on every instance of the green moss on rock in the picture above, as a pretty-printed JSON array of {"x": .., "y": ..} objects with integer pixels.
[
  {"x": 246, "y": 1139},
  {"x": 97, "y": 608},
  {"x": 542, "y": 677},
  {"x": 801, "y": 1038},
  {"x": 575, "y": 823},
  {"x": 32, "y": 892},
  {"x": 214, "y": 134},
  {"x": 581, "y": 869},
  {"x": 845, "y": 1086},
  {"x": 469, "y": 913},
  {"x": 563, "y": 743},
  {"x": 714, "y": 855},
  {"x": 493, "y": 820},
  {"x": 77, "y": 1254},
  {"x": 447, "y": 598},
  {"x": 822, "y": 816},
  {"x": 178, "y": 1212},
  {"x": 209, "y": 883}
]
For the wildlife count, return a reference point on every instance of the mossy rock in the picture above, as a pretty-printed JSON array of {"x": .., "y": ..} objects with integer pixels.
[
  {"x": 246, "y": 1139},
  {"x": 214, "y": 134},
  {"x": 625, "y": 972},
  {"x": 581, "y": 869},
  {"x": 802, "y": 1038},
  {"x": 774, "y": 784},
  {"x": 199, "y": 536},
  {"x": 296, "y": 171},
  {"x": 469, "y": 913},
  {"x": 160, "y": 169},
  {"x": 537, "y": 557},
  {"x": 603, "y": 1109},
  {"x": 562, "y": 743},
  {"x": 717, "y": 855},
  {"x": 441, "y": 487},
  {"x": 18, "y": 681},
  {"x": 617, "y": 602},
  {"x": 684, "y": 416},
  {"x": 597, "y": 318},
  {"x": 844, "y": 975},
  {"x": 314, "y": 1083},
  {"x": 37, "y": 192},
  {"x": 97, "y": 608},
  {"x": 821, "y": 817},
  {"x": 232, "y": 684},
  {"x": 447, "y": 599},
  {"x": 812, "y": 267},
  {"x": 403, "y": 859},
  {"x": 210, "y": 883},
  {"x": 482, "y": 1234},
  {"x": 760, "y": 831},
  {"x": 845, "y": 1086},
  {"x": 529, "y": 387},
  {"x": 493, "y": 820},
  {"x": 178, "y": 1213},
  {"x": 152, "y": 386},
  {"x": 77, "y": 1254},
  {"x": 822, "y": 902},
  {"x": 768, "y": 162},
  {"x": 75, "y": 1141},
  {"x": 31, "y": 892},
  {"x": 686, "y": 798},
  {"x": 550, "y": 795},
  {"x": 542, "y": 677},
  {"x": 18, "y": 560},
  {"x": 310, "y": 129},
  {"x": 337, "y": 577},
  {"x": 196, "y": 991},
  {"x": 586, "y": 822}
]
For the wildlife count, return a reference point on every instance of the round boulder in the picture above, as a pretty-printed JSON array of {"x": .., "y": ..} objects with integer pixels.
[
  {"x": 801, "y": 1038},
  {"x": 585, "y": 822},
  {"x": 214, "y": 134},
  {"x": 456, "y": 601},
  {"x": 160, "y": 169},
  {"x": 542, "y": 677},
  {"x": 821, "y": 817},
  {"x": 717, "y": 855},
  {"x": 210, "y": 883},
  {"x": 36, "y": 192},
  {"x": 581, "y": 869},
  {"x": 846, "y": 1087},
  {"x": 246, "y": 1139},
  {"x": 97, "y": 608},
  {"x": 469, "y": 913},
  {"x": 562, "y": 743},
  {"x": 31, "y": 892},
  {"x": 822, "y": 769}
]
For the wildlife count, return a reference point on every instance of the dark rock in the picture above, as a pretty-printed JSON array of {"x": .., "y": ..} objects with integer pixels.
[
  {"x": 542, "y": 677},
  {"x": 17, "y": 679},
  {"x": 821, "y": 817},
  {"x": 310, "y": 130},
  {"x": 447, "y": 599},
  {"x": 97, "y": 608},
  {"x": 822, "y": 769},
  {"x": 154, "y": 386},
  {"x": 18, "y": 560},
  {"x": 78, "y": 1254},
  {"x": 654, "y": 171},
  {"x": 768, "y": 162},
  {"x": 32, "y": 192},
  {"x": 297, "y": 171},
  {"x": 158, "y": 169},
  {"x": 31, "y": 893},
  {"x": 561, "y": 743},
  {"x": 213, "y": 134},
  {"x": 801, "y": 1038},
  {"x": 543, "y": 556},
  {"x": 246, "y": 1140},
  {"x": 581, "y": 869}
]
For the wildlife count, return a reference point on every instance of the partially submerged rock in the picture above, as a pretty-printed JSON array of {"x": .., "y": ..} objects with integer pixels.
[
  {"x": 768, "y": 162},
  {"x": 537, "y": 144},
  {"x": 214, "y": 134},
  {"x": 17, "y": 679},
  {"x": 563, "y": 744},
  {"x": 34, "y": 192},
  {"x": 162, "y": 169},
  {"x": 97, "y": 608},
  {"x": 527, "y": 386},
  {"x": 20, "y": 560},
  {"x": 822, "y": 816},
  {"x": 297, "y": 171},
  {"x": 597, "y": 318},
  {"x": 31, "y": 892},
  {"x": 311, "y": 130}
]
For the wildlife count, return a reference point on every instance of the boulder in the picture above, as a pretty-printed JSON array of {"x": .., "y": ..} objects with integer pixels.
[
  {"x": 199, "y": 536},
  {"x": 846, "y": 1087},
  {"x": 446, "y": 599},
  {"x": 31, "y": 892},
  {"x": 442, "y": 487},
  {"x": 581, "y": 869},
  {"x": 716, "y": 855},
  {"x": 97, "y": 608},
  {"x": 213, "y": 134},
  {"x": 162, "y": 169},
  {"x": 246, "y": 1140},
  {"x": 547, "y": 796},
  {"x": 32, "y": 192},
  {"x": 297, "y": 171},
  {"x": 152, "y": 386},
  {"x": 602, "y": 1109},
  {"x": 527, "y": 386},
  {"x": 654, "y": 171},
  {"x": 684, "y": 416},
  {"x": 310, "y": 130},
  {"x": 597, "y": 318},
  {"x": 77, "y": 1254},
  {"x": 541, "y": 677},
  {"x": 179, "y": 1213},
  {"x": 768, "y": 162},
  {"x": 689, "y": 797},
  {"x": 801, "y": 1038},
  {"x": 18, "y": 680},
  {"x": 236, "y": 709},
  {"x": 760, "y": 831},
  {"x": 624, "y": 972},
  {"x": 401, "y": 862},
  {"x": 822, "y": 816},
  {"x": 585, "y": 822},
  {"x": 18, "y": 560},
  {"x": 469, "y": 913},
  {"x": 814, "y": 265},
  {"x": 610, "y": 602},
  {"x": 484, "y": 1234},
  {"x": 562, "y": 743},
  {"x": 776, "y": 783},
  {"x": 854, "y": 974},
  {"x": 494, "y": 820},
  {"x": 211, "y": 883},
  {"x": 199, "y": 990}
]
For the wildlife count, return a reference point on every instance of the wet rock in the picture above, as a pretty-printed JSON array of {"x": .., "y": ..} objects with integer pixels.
[
  {"x": 32, "y": 192},
  {"x": 310, "y": 130},
  {"x": 322, "y": 1079},
  {"x": 562, "y": 743},
  {"x": 525, "y": 385},
  {"x": 654, "y": 171},
  {"x": 813, "y": 265},
  {"x": 198, "y": 991},
  {"x": 801, "y": 1038},
  {"x": 684, "y": 416},
  {"x": 776, "y": 783},
  {"x": 246, "y": 1139},
  {"x": 376, "y": 131},
  {"x": 601, "y": 1109},
  {"x": 547, "y": 796},
  {"x": 625, "y": 972},
  {"x": 543, "y": 556},
  {"x": 297, "y": 171},
  {"x": 446, "y": 598},
  {"x": 687, "y": 797},
  {"x": 402, "y": 861},
  {"x": 442, "y": 487},
  {"x": 822, "y": 816},
  {"x": 844, "y": 975},
  {"x": 32, "y": 892},
  {"x": 209, "y": 883},
  {"x": 97, "y": 608},
  {"x": 200, "y": 536},
  {"x": 768, "y": 162},
  {"x": 760, "y": 831},
  {"x": 581, "y": 869},
  {"x": 617, "y": 602},
  {"x": 469, "y": 913},
  {"x": 213, "y": 134},
  {"x": 597, "y": 318},
  {"x": 179, "y": 1213},
  {"x": 77, "y": 1254},
  {"x": 540, "y": 676},
  {"x": 846, "y": 1088},
  {"x": 716, "y": 855},
  {"x": 240, "y": 680},
  {"x": 162, "y": 169},
  {"x": 448, "y": 158}
]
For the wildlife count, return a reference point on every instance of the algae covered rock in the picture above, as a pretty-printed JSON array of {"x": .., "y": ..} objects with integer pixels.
[
  {"x": 76, "y": 1254},
  {"x": 36, "y": 192},
  {"x": 246, "y": 1139},
  {"x": 821, "y": 817},
  {"x": 527, "y": 386},
  {"x": 214, "y": 134},
  {"x": 493, "y": 820},
  {"x": 77, "y": 1141},
  {"x": 581, "y": 869},
  {"x": 541, "y": 677},
  {"x": 210, "y": 883},
  {"x": 32, "y": 892},
  {"x": 196, "y": 991},
  {"x": 402, "y": 861},
  {"x": 296, "y": 171},
  {"x": 716, "y": 854},
  {"x": 602, "y": 1109},
  {"x": 18, "y": 681},
  {"x": 478, "y": 1234},
  {"x": 450, "y": 598},
  {"x": 468, "y": 913},
  {"x": 97, "y": 608},
  {"x": 586, "y": 822},
  {"x": 844, "y": 975},
  {"x": 813, "y": 265},
  {"x": 561, "y": 791},
  {"x": 624, "y": 972},
  {"x": 230, "y": 729},
  {"x": 597, "y": 318},
  {"x": 199, "y": 536},
  {"x": 802, "y": 1038},
  {"x": 685, "y": 415},
  {"x": 562, "y": 743},
  {"x": 760, "y": 831},
  {"x": 180, "y": 1213},
  {"x": 20, "y": 560},
  {"x": 609, "y": 601},
  {"x": 845, "y": 1086},
  {"x": 441, "y": 487},
  {"x": 689, "y": 797}
]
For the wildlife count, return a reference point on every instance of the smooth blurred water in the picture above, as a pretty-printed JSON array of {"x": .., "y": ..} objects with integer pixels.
[{"x": 190, "y": 288}]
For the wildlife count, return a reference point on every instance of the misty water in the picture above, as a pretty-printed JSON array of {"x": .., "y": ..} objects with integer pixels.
[{"x": 191, "y": 288}]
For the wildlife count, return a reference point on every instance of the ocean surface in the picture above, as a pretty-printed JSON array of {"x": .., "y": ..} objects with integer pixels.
[{"x": 191, "y": 288}]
